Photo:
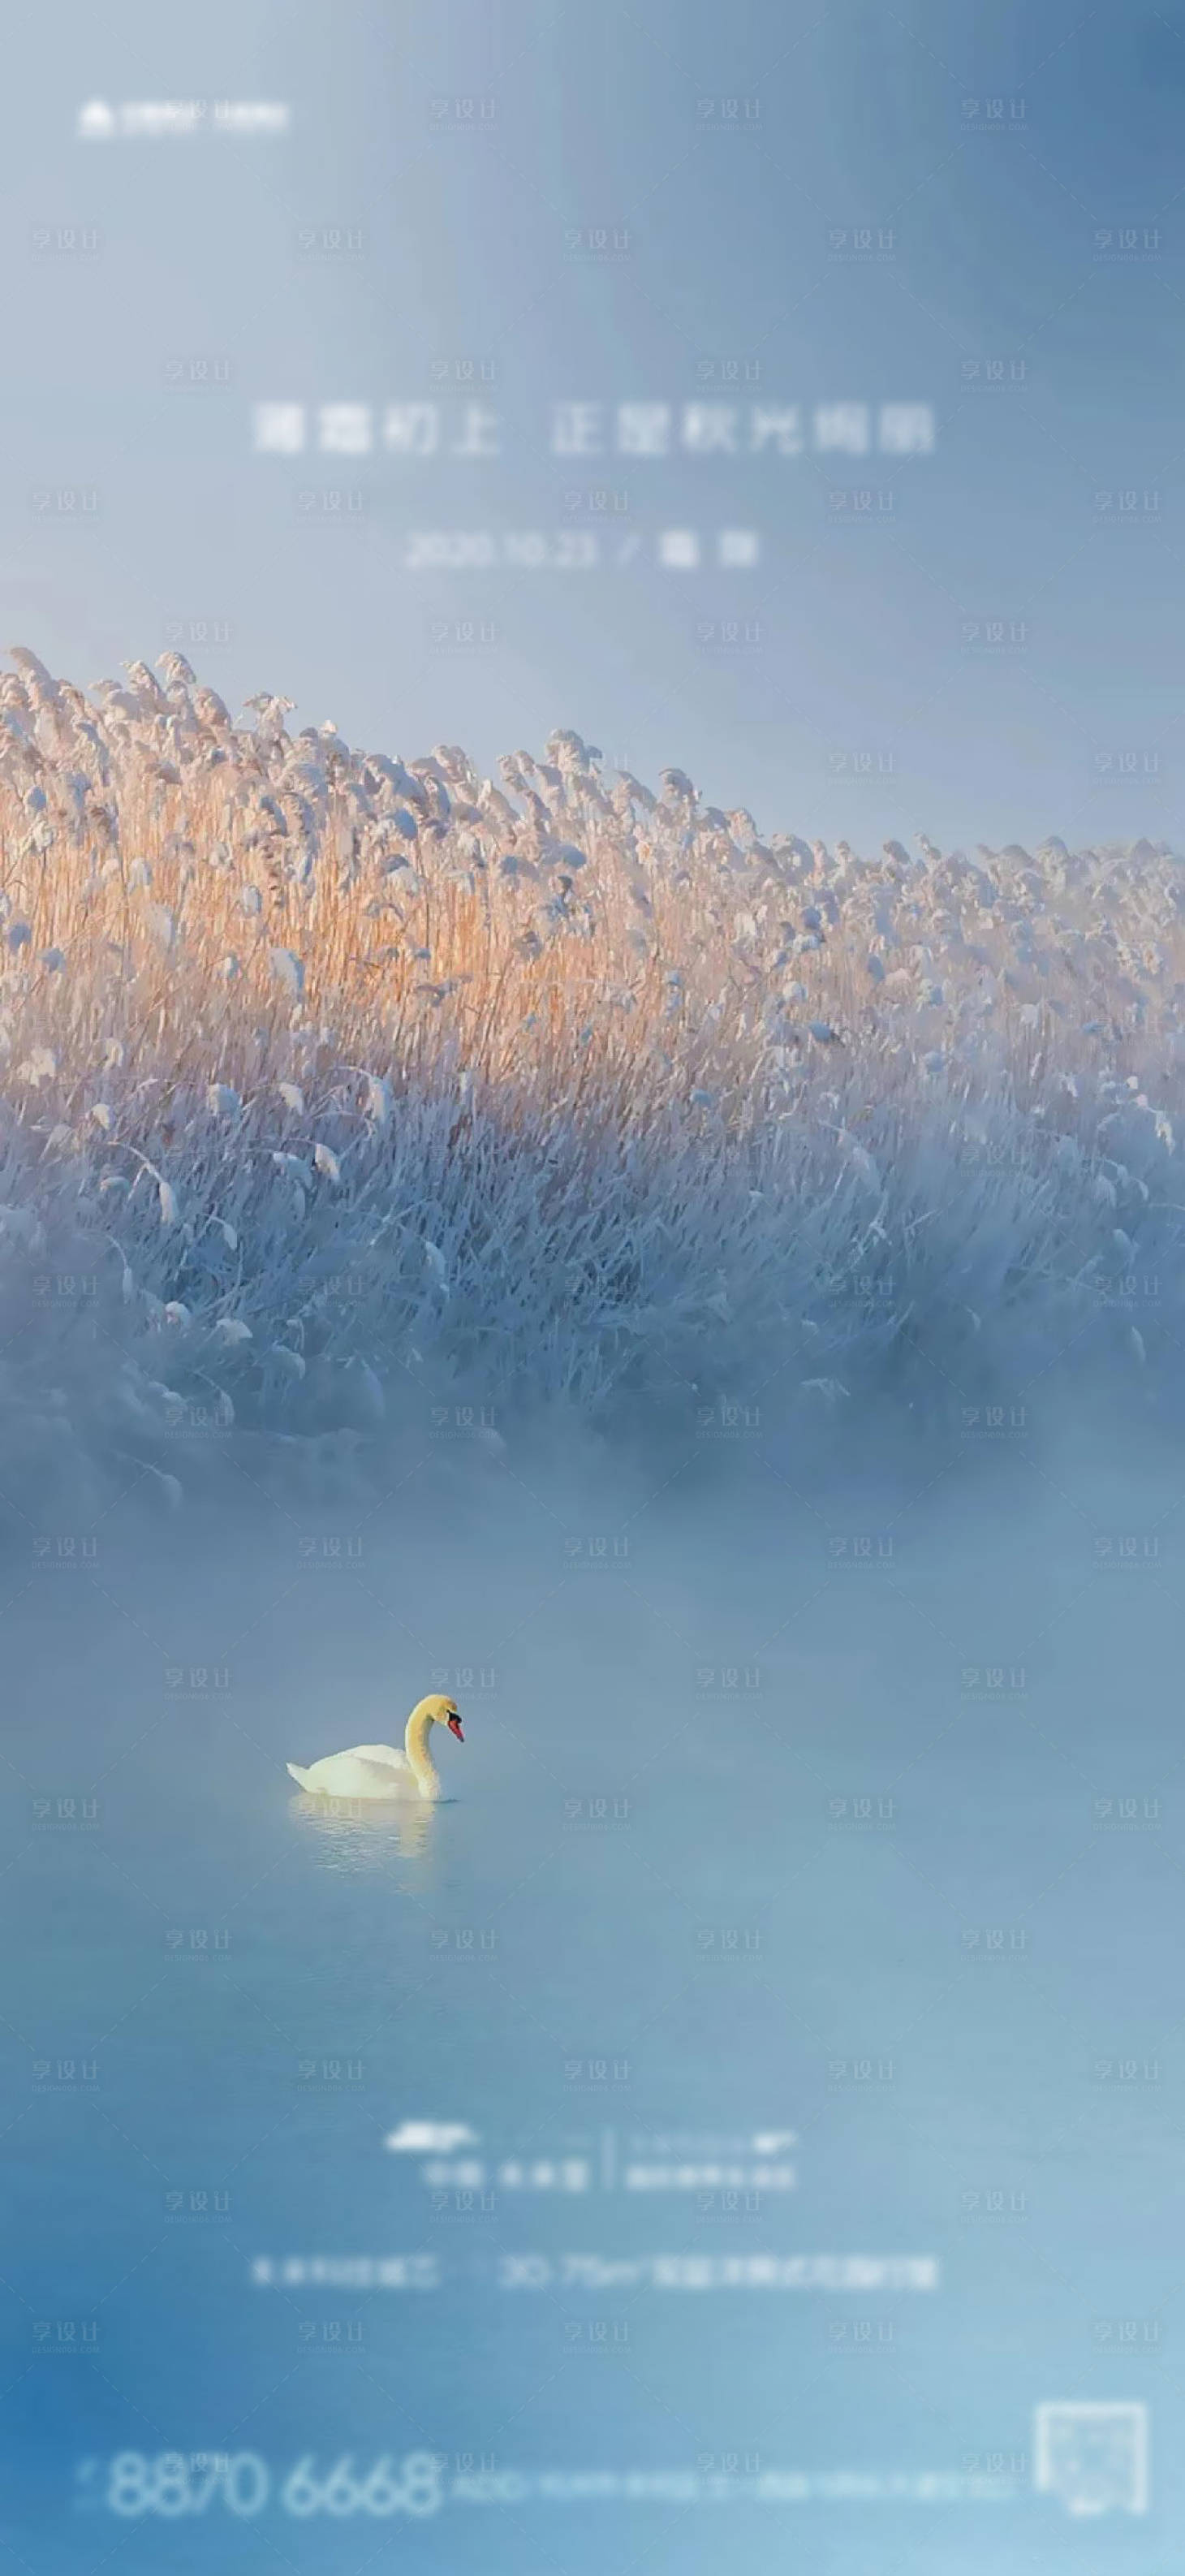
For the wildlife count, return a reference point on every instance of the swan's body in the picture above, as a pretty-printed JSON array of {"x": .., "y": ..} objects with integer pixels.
[
  {"x": 379, "y": 1770},
  {"x": 366, "y": 1771}
]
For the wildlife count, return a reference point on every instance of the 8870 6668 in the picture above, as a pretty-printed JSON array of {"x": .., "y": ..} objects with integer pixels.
[{"x": 175, "y": 2484}]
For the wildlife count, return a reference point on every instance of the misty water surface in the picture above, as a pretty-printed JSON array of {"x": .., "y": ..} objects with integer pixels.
[{"x": 856, "y": 1820}]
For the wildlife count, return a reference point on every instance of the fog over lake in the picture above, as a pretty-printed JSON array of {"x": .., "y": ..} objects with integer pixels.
[{"x": 830, "y": 1838}]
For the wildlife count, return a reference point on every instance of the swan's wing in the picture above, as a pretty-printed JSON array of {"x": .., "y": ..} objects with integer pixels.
[
  {"x": 374, "y": 1753},
  {"x": 355, "y": 1775}
]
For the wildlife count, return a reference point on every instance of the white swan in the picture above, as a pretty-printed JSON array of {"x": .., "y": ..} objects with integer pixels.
[{"x": 377, "y": 1770}]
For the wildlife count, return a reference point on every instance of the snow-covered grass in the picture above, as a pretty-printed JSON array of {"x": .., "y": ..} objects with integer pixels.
[{"x": 335, "y": 1091}]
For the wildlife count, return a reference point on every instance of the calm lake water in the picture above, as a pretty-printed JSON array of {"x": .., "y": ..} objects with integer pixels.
[{"x": 797, "y": 1960}]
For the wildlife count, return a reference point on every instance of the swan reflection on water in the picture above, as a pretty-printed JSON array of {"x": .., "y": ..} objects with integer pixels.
[{"x": 364, "y": 1832}]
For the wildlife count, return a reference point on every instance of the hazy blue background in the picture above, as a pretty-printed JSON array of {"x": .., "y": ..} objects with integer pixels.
[
  {"x": 852, "y": 116},
  {"x": 940, "y": 1843}
]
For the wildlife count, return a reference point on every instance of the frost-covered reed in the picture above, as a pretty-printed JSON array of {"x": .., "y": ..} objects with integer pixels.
[{"x": 332, "y": 1082}]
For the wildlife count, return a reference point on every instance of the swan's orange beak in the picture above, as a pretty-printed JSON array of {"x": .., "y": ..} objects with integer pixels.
[{"x": 455, "y": 1728}]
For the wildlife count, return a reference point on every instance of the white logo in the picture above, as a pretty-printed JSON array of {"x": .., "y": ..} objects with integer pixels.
[
  {"x": 1094, "y": 2456},
  {"x": 429, "y": 2137}
]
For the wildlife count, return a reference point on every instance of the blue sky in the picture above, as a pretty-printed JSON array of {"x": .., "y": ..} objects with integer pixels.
[{"x": 982, "y": 212}]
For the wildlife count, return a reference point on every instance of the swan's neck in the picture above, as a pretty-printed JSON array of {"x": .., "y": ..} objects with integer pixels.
[{"x": 415, "y": 1745}]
